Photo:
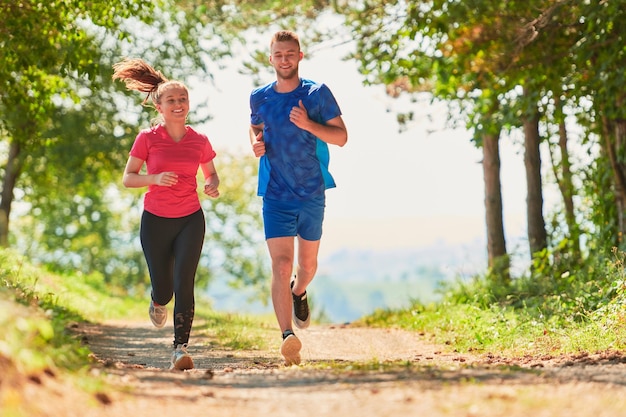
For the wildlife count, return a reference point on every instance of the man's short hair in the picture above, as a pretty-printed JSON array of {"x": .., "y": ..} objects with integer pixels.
[{"x": 285, "y": 36}]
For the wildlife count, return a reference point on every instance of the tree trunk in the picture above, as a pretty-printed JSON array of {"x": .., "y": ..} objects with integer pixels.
[
  {"x": 498, "y": 260},
  {"x": 537, "y": 237},
  {"x": 620, "y": 141},
  {"x": 11, "y": 174},
  {"x": 614, "y": 137},
  {"x": 564, "y": 180},
  {"x": 566, "y": 184}
]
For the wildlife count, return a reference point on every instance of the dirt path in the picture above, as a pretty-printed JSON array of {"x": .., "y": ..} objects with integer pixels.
[{"x": 135, "y": 357}]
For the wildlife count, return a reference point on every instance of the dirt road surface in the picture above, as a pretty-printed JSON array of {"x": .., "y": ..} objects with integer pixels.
[{"x": 346, "y": 371}]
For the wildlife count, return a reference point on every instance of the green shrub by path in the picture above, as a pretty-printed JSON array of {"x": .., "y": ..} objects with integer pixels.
[
  {"x": 38, "y": 309},
  {"x": 578, "y": 310},
  {"x": 509, "y": 332},
  {"x": 49, "y": 303},
  {"x": 67, "y": 297},
  {"x": 34, "y": 336},
  {"x": 34, "y": 324},
  {"x": 25, "y": 336}
]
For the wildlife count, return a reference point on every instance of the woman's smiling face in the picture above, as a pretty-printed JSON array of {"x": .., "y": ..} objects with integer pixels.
[{"x": 174, "y": 103}]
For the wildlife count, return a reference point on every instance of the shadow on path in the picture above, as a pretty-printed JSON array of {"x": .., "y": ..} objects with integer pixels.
[{"x": 334, "y": 356}]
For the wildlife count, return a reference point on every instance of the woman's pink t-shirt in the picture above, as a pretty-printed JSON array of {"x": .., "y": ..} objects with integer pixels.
[{"x": 162, "y": 154}]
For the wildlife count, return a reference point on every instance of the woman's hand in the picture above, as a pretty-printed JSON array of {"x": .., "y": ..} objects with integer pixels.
[
  {"x": 166, "y": 179},
  {"x": 211, "y": 190}
]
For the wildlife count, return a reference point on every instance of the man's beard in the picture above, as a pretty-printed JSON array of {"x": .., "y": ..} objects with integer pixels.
[{"x": 293, "y": 73}]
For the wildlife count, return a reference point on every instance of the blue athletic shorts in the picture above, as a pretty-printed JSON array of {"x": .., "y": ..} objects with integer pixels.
[{"x": 294, "y": 218}]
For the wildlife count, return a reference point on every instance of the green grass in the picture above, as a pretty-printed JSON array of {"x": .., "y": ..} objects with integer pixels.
[
  {"x": 49, "y": 303},
  {"x": 553, "y": 309},
  {"x": 372, "y": 365},
  {"x": 34, "y": 320},
  {"x": 37, "y": 309},
  {"x": 502, "y": 330},
  {"x": 235, "y": 332}
]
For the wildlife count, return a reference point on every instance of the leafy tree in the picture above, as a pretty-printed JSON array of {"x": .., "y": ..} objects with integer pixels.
[
  {"x": 598, "y": 59},
  {"x": 46, "y": 51},
  {"x": 68, "y": 140},
  {"x": 507, "y": 66},
  {"x": 455, "y": 51}
]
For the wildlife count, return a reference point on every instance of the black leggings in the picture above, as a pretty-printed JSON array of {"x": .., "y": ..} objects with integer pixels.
[{"x": 172, "y": 249}]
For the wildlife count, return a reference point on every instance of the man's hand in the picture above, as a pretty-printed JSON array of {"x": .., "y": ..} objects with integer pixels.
[
  {"x": 258, "y": 146},
  {"x": 300, "y": 117}
]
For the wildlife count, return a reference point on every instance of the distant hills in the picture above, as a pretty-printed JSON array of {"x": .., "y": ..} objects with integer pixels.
[{"x": 352, "y": 283}]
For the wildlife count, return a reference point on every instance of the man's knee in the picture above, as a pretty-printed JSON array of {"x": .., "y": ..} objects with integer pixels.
[
  {"x": 282, "y": 265},
  {"x": 308, "y": 266}
]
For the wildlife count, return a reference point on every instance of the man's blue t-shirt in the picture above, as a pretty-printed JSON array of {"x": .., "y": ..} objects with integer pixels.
[{"x": 295, "y": 164}]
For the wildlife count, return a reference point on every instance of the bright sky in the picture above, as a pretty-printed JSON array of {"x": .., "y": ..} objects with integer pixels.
[{"x": 394, "y": 190}]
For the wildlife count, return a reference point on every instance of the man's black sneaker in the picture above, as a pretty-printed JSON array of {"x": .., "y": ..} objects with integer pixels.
[{"x": 301, "y": 315}]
